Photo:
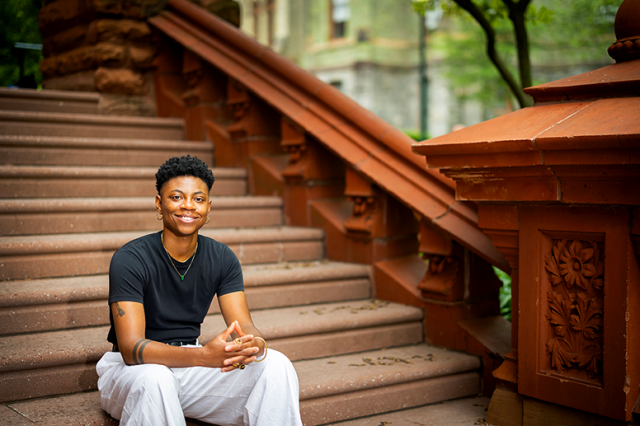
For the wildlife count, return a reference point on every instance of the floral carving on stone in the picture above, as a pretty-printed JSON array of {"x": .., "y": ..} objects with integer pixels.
[{"x": 576, "y": 306}]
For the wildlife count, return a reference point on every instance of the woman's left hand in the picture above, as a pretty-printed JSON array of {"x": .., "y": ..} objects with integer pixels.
[{"x": 245, "y": 348}]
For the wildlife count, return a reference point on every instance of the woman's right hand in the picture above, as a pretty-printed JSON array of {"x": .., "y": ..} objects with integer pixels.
[{"x": 220, "y": 353}]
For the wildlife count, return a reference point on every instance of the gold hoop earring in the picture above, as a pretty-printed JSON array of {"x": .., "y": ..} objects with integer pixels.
[
  {"x": 158, "y": 216},
  {"x": 208, "y": 220}
]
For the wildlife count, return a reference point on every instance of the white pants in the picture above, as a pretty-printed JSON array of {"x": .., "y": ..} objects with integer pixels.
[{"x": 263, "y": 394}]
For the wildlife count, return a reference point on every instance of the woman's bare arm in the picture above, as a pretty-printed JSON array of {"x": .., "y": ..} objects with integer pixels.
[{"x": 129, "y": 321}]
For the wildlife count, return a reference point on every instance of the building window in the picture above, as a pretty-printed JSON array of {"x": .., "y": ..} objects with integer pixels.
[
  {"x": 340, "y": 14},
  {"x": 337, "y": 84},
  {"x": 264, "y": 13}
]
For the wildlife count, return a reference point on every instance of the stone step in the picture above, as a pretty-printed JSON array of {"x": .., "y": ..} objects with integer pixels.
[
  {"x": 61, "y": 101},
  {"x": 72, "y": 302},
  {"x": 84, "y": 408},
  {"x": 347, "y": 387},
  {"x": 334, "y": 389},
  {"x": 89, "y": 125},
  {"x": 28, "y": 216},
  {"x": 460, "y": 412},
  {"x": 63, "y": 255},
  {"x": 83, "y": 151},
  {"x": 60, "y": 362},
  {"x": 71, "y": 181}
]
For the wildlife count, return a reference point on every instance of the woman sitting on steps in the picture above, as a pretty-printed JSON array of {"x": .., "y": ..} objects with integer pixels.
[{"x": 160, "y": 289}]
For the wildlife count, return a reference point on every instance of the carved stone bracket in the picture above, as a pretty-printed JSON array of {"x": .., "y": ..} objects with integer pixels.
[
  {"x": 239, "y": 101},
  {"x": 295, "y": 144},
  {"x": 444, "y": 269},
  {"x": 360, "y": 192},
  {"x": 192, "y": 74},
  {"x": 441, "y": 277},
  {"x": 575, "y": 269}
]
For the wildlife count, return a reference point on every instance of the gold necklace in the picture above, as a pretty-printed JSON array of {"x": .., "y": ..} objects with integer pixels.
[{"x": 193, "y": 256}]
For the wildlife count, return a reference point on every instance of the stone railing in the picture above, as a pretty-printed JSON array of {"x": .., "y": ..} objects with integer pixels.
[
  {"x": 558, "y": 187},
  {"x": 338, "y": 167}
]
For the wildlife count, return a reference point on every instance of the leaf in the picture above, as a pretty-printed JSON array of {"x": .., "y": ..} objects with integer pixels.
[
  {"x": 539, "y": 16},
  {"x": 598, "y": 283},
  {"x": 590, "y": 356},
  {"x": 586, "y": 254},
  {"x": 582, "y": 282},
  {"x": 575, "y": 248},
  {"x": 552, "y": 268},
  {"x": 588, "y": 270},
  {"x": 557, "y": 313},
  {"x": 589, "y": 318},
  {"x": 560, "y": 357}
]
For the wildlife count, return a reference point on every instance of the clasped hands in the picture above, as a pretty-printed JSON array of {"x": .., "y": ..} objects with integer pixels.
[{"x": 236, "y": 353}]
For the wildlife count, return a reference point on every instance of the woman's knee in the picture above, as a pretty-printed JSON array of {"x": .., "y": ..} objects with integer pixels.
[
  {"x": 155, "y": 378},
  {"x": 279, "y": 362}
]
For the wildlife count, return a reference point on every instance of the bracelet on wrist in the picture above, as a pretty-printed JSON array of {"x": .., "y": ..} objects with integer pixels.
[{"x": 265, "y": 349}]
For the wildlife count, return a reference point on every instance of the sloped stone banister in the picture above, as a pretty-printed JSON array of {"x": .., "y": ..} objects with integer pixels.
[{"x": 362, "y": 140}]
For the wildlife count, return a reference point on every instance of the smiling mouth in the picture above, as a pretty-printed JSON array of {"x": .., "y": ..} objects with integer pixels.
[{"x": 188, "y": 219}]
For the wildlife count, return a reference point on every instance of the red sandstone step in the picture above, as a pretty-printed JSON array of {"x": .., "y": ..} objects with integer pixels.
[
  {"x": 352, "y": 386},
  {"x": 84, "y": 408},
  {"x": 56, "y": 150},
  {"x": 49, "y": 101},
  {"x": 72, "y": 181},
  {"x": 460, "y": 412},
  {"x": 89, "y": 125},
  {"x": 60, "y": 362},
  {"x": 48, "y": 256},
  {"x": 65, "y": 215},
  {"x": 59, "y": 303}
]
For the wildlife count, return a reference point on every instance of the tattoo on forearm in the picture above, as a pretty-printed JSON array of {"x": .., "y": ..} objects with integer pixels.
[
  {"x": 121, "y": 311},
  {"x": 138, "y": 348}
]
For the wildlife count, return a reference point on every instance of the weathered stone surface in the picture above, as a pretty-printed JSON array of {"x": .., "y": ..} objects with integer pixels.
[
  {"x": 79, "y": 59},
  {"x": 118, "y": 30},
  {"x": 64, "y": 40},
  {"x": 83, "y": 81},
  {"x": 62, "y": 14},
  {"x": 123, "y": 81},
  {"x": 138, "y": 9},
  {"x": 141, "y": 57},
  {"x": 109, "y": 54}
]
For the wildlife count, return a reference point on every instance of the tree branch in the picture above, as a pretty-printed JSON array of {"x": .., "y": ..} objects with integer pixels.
[
  {"x": 473, "y": 10},
  {"x": 517, "y": 16}
]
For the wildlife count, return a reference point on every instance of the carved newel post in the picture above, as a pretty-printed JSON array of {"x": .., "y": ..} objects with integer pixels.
[{"x": 558, "y": 188}]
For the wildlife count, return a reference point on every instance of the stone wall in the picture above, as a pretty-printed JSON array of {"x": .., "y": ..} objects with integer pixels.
[
  {"x": 107, "y": 46},
  {"x": 103, "y": 46}
]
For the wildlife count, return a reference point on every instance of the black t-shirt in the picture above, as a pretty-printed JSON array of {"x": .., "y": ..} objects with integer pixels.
[{"x": 140, "y": 271}]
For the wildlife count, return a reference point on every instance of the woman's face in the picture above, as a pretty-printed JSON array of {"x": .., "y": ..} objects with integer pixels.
[{"x": 184, "y": 204}]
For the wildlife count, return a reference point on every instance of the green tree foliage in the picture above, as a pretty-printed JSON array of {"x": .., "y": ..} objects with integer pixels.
[
  {"x": 19, "y": 24},
  {"x": 505, "y": 294},
  {"x": 538, "y": 35}
]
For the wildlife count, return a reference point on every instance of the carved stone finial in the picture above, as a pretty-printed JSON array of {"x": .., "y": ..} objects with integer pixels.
[{"x": 627, "y": 26}]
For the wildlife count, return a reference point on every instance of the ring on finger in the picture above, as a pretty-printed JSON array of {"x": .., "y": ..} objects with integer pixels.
[
  {"x": 237, "y": 341},
  {"x": 239, "y": 366}
]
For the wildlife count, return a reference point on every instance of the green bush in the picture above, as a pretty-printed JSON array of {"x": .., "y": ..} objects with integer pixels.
[
  {"x": 19, "y": 24},
  {"x": 505, "y": 294}
]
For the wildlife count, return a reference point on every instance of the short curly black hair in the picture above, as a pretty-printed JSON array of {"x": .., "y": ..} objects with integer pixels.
[{"x": 184, "y": 166}]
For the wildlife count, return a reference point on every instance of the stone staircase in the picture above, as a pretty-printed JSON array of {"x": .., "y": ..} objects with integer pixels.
[{"x": 76, "y": 186}]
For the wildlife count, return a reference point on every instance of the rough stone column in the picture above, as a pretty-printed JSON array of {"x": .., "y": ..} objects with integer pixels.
[{"x": 103, "y": 46}]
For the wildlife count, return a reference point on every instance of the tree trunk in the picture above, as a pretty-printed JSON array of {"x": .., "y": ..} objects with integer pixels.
[
  {"x": 517, "y": 16},
  {"x": 506, "y": 75}
]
